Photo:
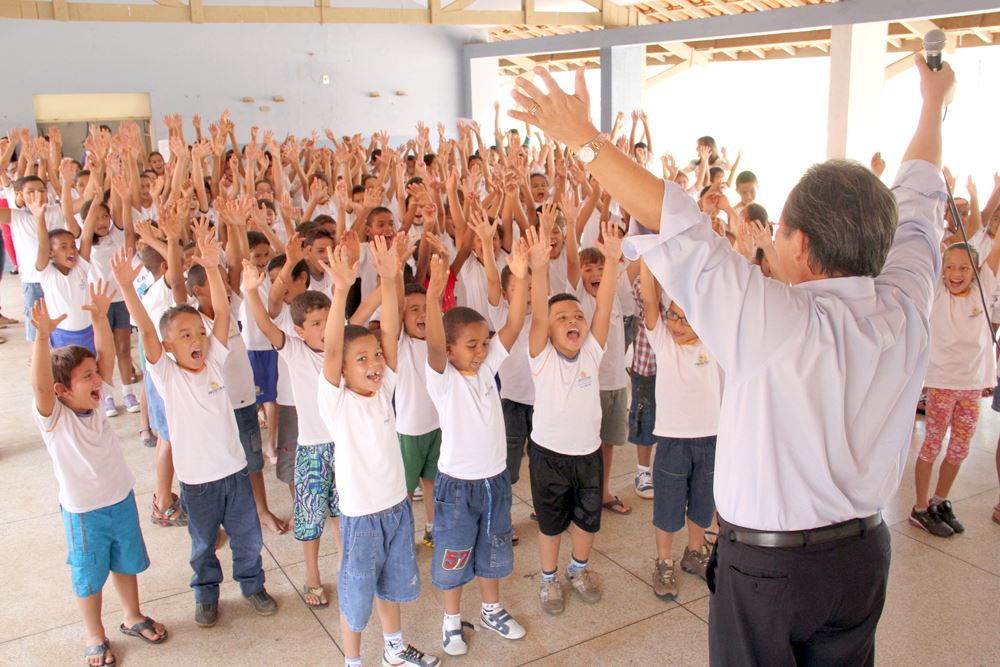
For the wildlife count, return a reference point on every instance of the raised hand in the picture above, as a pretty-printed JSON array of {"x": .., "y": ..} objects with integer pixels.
[
  {"x": 970, "y": 185},
  {"x": 402, "y": 248},
  {"x": 761, "y": 233},
  {"x": 439, "y": 277},
  {"x": 484, "y": 230},
  {"x": 341, "y": 267},
  {"x": 563, "y": 117},
  {"x": 122, "y": 269},
  {"x": 252, "y": 278},
  {"x": 518, "y": 260},
  {"x": 208, "y": 249},
  {"x": 100, "y": 299},
  {"x": 547, "y": 217},
  {"x": 877, "y": 163},
  {"x": 538, "y": 249},
  {"x": 36, "y": 202},
  {"x": 41, "y": 321},
  {"x": 611, "y": 245},
  {"x": 383, "y": 258},
  {"x": 67, "y": 169}
]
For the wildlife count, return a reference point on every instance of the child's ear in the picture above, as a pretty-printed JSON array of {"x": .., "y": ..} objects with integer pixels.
[
  {"x": 60, "y": 389},
  {"x": 299, "y": 330},
  {"x": 168, "y": 346}
]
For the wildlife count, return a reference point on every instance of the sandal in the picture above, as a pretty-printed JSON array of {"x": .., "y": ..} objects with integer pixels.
[
  {"x": 617, "y": 506},
  {"x": 318, "y": 593},
  {"x": 147, "y": 624},
  {"x": 99, "y": 650},
  {"x": 172, "y": 516},
  {"x": 996, "y": 513}
]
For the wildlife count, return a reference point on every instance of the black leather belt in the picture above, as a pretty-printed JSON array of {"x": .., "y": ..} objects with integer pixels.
[{"x": 798, "y": 538}]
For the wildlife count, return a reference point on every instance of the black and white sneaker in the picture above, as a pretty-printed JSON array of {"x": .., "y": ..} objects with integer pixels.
[
  {"x": 931, "y": 521},
  {"x": 453, "y": 639},
  {"x": 410, "y": 656},
  {"x": 947, "y": 514},
  {"x": 502, "y": 623}
]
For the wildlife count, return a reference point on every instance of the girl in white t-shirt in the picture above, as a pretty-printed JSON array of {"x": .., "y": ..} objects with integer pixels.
[{"x": 961, "y": 366}]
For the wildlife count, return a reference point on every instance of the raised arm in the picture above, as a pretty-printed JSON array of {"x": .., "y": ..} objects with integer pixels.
[
  {"x": 208, "y": 248},
  {"x": 388, "y": 267},
  {"x": 538, "y": 256},
  {"x": 611, "y": 247},
  {"x": 518, "y": 263},
  {"x": 343, "y": 270},
  {"x": 125, "y": 274},
  {"x": 251, "y": 282},
  {"x": 293, "y": 255},
  {"x": 37, "y": 202},
  {"x": 650, "y": 290},
  {"x": 42, "y": 381},
  {"x": 104, "y": 342},
  {"x": 437, "y": 351}
]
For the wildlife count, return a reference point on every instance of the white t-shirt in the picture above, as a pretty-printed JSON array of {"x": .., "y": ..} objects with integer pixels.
[
  {"x": 558, "y": 275},
  {"x": 88, "y": 463},
  {"x": 567, "y": 416},
  {"x": 323, "y": 284},
  {"x": 284, "y": 388},
  {"x": 415, "y": 412},
  {"x": 473, "y": 440},
  {"x": 515, "y": 373},
  {"x": 25, "y": 236},
  {"x": 305, "y": 365},
  {"x": 961, "y": 354},
  {"x": 157, "y": 300},
  {"x": 100, "y": 260},
  {"x": 203, "y": 433},
  {"x": 144, "y": 213},
  {"x": 688, "y": 387},
  {"x": 369, "y": 470},
  {"x": 613, "y": 374},
  {"x": 470, "y": 290},
  {"x": 253, "y": 337},
  {"x": 67, "y": 294},
  {"x": 237, "y": 370}
]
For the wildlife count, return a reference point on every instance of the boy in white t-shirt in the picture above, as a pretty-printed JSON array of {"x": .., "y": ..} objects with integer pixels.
[
  {"x": 355, "y": 394},
  {"x": 564, "y": 455},
  {"x": 688, "y": 402},
  {"x": 95, "y": 484},
  {"x": 472, "y": 494},
  {"x": 207, "y": 455}
]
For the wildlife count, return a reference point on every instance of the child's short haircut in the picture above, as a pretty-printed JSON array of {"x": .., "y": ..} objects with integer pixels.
[
  {"x": 56, "y": 233},
  {"x": 562, "y": 296},
  {"x": 65, "y": 359},
  {"x": 196, "y": 277},
  {"x": 316, "y": 235},
  {"x": 641, "y": 144},
  {"x": 305, "y": 227},
  {"x": 376, "y": 211},
  {"x": 505, "y": 278},
  {"x": 307, "y": 302},
  {"x": 24, "y": 180},
  {"x": 591, "y": 256},
  {"x": 324, "y": 219},
  {"x": 758, "y": 256},
  {"x": 255, "y": 239},
  {"x": 150, "y": 258},
  {"x": 353, "y": 332},
  {"x": 266, "y": 203},
  {"x": 172, "y": 314},
  {"x": 85, "y": 209},
  {"x": 456, "y": 319},
  {"x": 758, "y": 213},
  {"x": 715, "y": 171},
  {"x": 745, "y": 177},
  {"x": 965, "y": 248},
  {"x": 357, "y": 189},
  {"x": 80, "y": 173},
  {"x": 414, "y": 288}
]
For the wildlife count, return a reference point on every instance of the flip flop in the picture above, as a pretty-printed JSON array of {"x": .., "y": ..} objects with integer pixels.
[
  {"x": 617, "y": 506},
  {"x": 136, "y": 631},
  {"x": 319, "y": 593},
  {"x": 100, "y": 650}
]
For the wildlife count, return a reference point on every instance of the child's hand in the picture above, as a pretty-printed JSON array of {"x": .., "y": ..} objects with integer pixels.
[
  {"x": 208, "y": 250},
  {"x": 251, "y": 279},
  {"x": 761, "y": 234},
  {"x": 383, "y": 258},
  {"x": 611, "y": 246},
  {"x": 341, "y": 267},
  {"x": 439, "y": 278},
  {"x": 100, "y": 300},
  {"x": 538, "y": 249},
  {"x": 36, "y": 202},
  {"x": 122, "y": 269},
  {"x": 41, "y": 321},
  {"x": 970, "y": 185},
  {"x": 350, "y": 240},
  {"x": 294, "y": 252},
  {"x": 518, "y": 260},
  {"x": 402, "y": 248},
  {"x": 484, "y": 230},
  {"x": 877, "y": 163},
  {"x": 547, "y": 217}
]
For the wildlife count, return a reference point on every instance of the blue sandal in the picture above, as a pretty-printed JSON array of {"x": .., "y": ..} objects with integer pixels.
[
  {"x": 146, "y": 624},
  {"x": 99, "y": 650}
]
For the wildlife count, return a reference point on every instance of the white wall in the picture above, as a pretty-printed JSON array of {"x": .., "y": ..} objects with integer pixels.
[{"x": 205, "y": 68}]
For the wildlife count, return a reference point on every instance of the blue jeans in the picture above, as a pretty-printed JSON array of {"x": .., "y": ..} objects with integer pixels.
[
  {"x": 642, "y": 412},
  {"x": 226, "y": 502},
  {"x": 32, "y": 293},
  {"x": 683, "y": 474}
]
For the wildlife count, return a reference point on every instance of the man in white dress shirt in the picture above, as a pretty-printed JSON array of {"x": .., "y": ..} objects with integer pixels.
[{"x": 822, "y": 376}]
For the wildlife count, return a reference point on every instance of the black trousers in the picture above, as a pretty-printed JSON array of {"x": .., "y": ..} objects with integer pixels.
[{"x": 813, "y": 605}]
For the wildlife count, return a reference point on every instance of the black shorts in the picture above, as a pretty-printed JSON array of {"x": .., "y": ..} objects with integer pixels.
[{"x": 565, "y": 488}]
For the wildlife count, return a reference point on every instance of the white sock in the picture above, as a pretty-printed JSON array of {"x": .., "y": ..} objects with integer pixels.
[
  {"x": 490, "y": 607},
  {"x": 393, "y": 642},
  {"x": 128, "y": 389},
  {"x": 452, "y": 621}
]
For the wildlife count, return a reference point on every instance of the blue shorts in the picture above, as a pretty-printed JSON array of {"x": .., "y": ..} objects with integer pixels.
[
  {"x": 642, "y": 412},
  {"x": 32, "y": 293},
  {"x": 265, "y": 374},
  {"x": 104, "y": 540},
  {"x": 249, "y": 427},
  {"x": 379, "y": 559},
  {"x": 118, "y": 316},
  {"x": 156, "y": 409},
  {"x": 315, "y": 491},
  {"x": 683, "y": 471},
  {"x": 472, "y": 530},
  {"x": 81, "y": 338}
]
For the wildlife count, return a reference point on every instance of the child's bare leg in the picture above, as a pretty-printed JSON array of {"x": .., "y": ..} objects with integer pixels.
[
  {"x": 311, "y": 550},
  {"x": 922, "y": 481},
  {"x": 664, "y": 543},
  {"x": 946, "y": 477},
  {"x": 267, "y": 519},
  {"x": 123, "y": 354},
  {"x": 696, "y": 535},
  {"x": 428, "y": 486},
  {"x": 271, "y": 444},
  {"x": 127, "y": 587},
  {"x": 489, "y": 590},
  {"x": 351, "y": 639},
  {"x": 93, "y": 628},
  {"x": 643, "y": 456},
  {"x": 164, "y": 474},
  {"x": 582, "y": 542},
  {"x": 548, "y": 547},
  {"x": 143, "y": 412},
  {"x": 453, "y": 601},
  {"x": 388, "y": 616}
]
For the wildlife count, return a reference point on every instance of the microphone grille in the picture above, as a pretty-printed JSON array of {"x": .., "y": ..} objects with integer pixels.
[{"x": 934, "y": 41}]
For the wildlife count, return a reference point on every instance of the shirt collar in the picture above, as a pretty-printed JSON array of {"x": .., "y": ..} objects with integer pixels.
[{"x": 848, "y": 288}]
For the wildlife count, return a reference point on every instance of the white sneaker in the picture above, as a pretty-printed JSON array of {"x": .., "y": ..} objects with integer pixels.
[
  {"x": 453, "y": 638},
  {"x": 644, "y": 484},
  {"x": 502, "y": 623},
  {"x": 131, "y": 403},
  {"x": 418, "y": 494},
  {"x": 109, "y": 406}
]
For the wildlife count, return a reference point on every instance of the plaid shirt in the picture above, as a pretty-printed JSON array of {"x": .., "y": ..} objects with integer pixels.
[{"x": 643, "y": 359}]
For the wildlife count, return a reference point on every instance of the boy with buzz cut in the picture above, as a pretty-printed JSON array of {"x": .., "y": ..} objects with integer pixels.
[
  {"x": 95, "y": 484},
  {"x": 205, "y": 440},
  {"x": 564, "y": 457},
  {"x": 472, "y": 492}
]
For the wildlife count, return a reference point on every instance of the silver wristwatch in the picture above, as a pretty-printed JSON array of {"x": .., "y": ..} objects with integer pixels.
[{"x": 590, "y": 150}]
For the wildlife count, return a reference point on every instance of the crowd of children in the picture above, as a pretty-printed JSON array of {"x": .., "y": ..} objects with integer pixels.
[{"x": 405, "y": 323}]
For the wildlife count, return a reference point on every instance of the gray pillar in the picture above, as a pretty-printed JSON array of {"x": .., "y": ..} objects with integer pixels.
[{"x": 621, "y": 81}]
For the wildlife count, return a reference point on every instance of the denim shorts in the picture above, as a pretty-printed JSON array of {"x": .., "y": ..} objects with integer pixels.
[
  {"x": 642, "y": 413},
  {"x": 101, "y": 541},
  {"x": 156, "y": 408},
  {"x": 118, "y": 316},
  {"x": 32, "y": 293},
  {"x": 81, "y": 338},
  {"x": 315, "y": 491},
  {"x": 249, "y": 427},
  {"x": 517, "y": 421},
  {"x": 472, "y": 530},
  {"x": 265, "y": 374},
  {"x": 683, "y": 470},
  {"x": 379, "y": 559}
]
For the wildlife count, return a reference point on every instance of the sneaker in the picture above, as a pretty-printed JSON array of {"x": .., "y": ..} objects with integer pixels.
[
  {"x": 7, "y": 321},
  {"x": 586, "y": 584},
  {"x": 502, "y": 623},
  {"x": 172, "y": 516},
  {"x": 109, "y": 406},
  {"x": 665, "y": 579},
  {"x": 131, "y": 403},
  {"x": 931, "y": 521},
  {"x": 550, "y": 593},
  {"x": 418, "y": 494},
  {"x": 206, "y": 614},
  {"x": 262, "y": 603},
  {"x": 696, "y": 562},
  {"x": 947, "y": 514},
  {"x": 410, "y": 656},
  {"x": 644, "y": 484},
  {"x": 428, "y": 539},
  {"x": 453, "y": 639}
]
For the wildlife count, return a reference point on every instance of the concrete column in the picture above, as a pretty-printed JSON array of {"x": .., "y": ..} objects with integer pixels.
[
  {"x": 857, "y": 74},
  {"x": 621, "y": 81},
  {"x": 482, "y": 82}
]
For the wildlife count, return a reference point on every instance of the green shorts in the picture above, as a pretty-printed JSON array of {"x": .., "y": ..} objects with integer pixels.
[{"x": 420, "y": 457}]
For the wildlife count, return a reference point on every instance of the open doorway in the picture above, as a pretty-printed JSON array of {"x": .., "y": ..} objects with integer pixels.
[{"x": 74, "y": 113}]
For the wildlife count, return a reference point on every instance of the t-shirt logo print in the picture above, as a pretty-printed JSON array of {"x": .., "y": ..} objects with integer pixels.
[
  {"x": 215, "y": 388},
  {"x": 455, "y": 559},
  {"x": 585, "y": 380}
]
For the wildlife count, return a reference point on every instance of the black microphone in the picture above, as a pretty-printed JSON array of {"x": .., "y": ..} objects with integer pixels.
[{"x": 934, "y": 43}]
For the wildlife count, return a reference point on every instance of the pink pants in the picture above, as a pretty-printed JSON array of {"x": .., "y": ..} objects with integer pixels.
[{"x": 960, "y": 410}]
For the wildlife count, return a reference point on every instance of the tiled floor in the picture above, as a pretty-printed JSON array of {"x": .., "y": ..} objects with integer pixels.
[{"x": 941, "y": 609}]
